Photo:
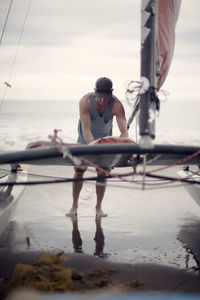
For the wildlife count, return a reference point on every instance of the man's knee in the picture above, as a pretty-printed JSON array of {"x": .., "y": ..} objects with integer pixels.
[
  {"x": 102, "y": 176},
  {"x": 79, "y": 172}
]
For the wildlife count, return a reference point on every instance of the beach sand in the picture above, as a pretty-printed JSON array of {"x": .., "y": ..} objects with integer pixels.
[{"x": 149, "y": 241}]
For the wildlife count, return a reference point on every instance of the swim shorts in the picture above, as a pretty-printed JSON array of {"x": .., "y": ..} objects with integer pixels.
[{"x": 81, "y": 171}]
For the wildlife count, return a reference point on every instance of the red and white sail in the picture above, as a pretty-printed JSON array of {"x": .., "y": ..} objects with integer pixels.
[{"x": 168, "y": 11}]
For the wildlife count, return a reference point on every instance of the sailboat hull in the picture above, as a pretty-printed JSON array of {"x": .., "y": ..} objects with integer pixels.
[
  {"x": 193, "y": 189},
  {"x": 9, "y": 195}
]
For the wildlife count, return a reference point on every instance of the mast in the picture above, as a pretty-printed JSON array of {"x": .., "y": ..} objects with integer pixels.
[
  {"x": 158, "y": 22},
  {"x": 148, "y": 98}
]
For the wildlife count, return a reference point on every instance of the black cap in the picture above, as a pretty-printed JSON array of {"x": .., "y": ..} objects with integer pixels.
[{"x": 103, "y": 87}]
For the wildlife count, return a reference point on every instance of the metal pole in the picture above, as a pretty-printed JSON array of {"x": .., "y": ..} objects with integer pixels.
[{"x": 148, "y": 73}]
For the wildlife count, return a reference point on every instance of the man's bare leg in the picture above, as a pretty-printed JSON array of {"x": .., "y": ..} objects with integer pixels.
[
  {"x": 100, "y": 191},
  {"x": 76, "y": 189}
]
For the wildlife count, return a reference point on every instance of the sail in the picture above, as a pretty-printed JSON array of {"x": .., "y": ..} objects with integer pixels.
[
  {"x": 158, "y": 21},
  {"x": 168, "y": 11}
]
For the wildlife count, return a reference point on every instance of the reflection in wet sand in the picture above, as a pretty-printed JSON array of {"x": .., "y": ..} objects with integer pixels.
[
  {"x": 76, "y": 237},
  {"x": 186, "y": 257},
  {"x": 99, "y": 237}
]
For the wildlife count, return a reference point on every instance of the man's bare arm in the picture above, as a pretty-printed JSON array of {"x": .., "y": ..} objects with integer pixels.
[
  {"x": 121, "y": 120},
  {"x": 85, "y": 119}
]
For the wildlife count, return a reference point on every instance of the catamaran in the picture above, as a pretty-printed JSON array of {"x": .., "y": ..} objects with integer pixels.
[{"x": 158, "y": 21}]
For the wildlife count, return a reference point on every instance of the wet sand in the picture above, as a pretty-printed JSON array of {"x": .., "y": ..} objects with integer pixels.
[
  {"x": 151, "y": 236},
  {"x": 126, "y": 277}
]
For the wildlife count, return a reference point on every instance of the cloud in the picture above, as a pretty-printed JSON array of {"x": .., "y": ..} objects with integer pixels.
[
  {"x": 67, "y": 45},
  {"x": 51, "y": 23},
  {"x": 65, "y": 73}
]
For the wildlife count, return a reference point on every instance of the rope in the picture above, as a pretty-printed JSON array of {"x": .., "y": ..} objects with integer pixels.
[
  {"x": 64, "y": 148},
  {"x": 133, "y": 98},
  {"x": 65, "y": 180},
  {"x": 181, "y": 161}
]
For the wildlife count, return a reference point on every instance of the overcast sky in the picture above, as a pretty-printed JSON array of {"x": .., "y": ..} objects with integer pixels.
[{"x": 67, "y": 45}]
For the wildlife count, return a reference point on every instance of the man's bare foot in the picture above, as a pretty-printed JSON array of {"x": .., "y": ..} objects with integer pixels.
[
  {"x": 100, "y": 213},
  {"x": 72, "y": 212}
]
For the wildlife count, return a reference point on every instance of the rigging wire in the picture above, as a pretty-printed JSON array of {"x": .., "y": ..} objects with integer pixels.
[
  {"x": 7, "y": 84},
  {"x": 52, "y": 176},
  {"x": 148, "y": 187},
  {"x": 156, "y": 181},
  {"x": 6, "y": 20},
  {"x": 105, "y": 175},
  {"x": 113, "y": 179},
  {"x": 66, "y": 180},
  {"x": 65, "y": 151},
  {"x": 132, "y": 96}
]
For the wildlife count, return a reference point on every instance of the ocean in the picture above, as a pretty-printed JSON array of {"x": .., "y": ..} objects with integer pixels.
[{"x": 22, "y": 122}]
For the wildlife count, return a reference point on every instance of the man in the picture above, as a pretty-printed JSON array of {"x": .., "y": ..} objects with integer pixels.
[{"x": 97, "y": 110}]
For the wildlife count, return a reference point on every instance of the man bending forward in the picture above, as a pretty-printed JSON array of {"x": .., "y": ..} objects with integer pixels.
[{"x": 97, "y": 110}]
